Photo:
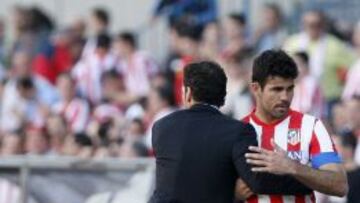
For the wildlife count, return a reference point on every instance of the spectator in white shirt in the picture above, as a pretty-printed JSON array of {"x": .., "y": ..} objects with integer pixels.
[
  {"x": 99, "y": 23},
  {"x": 308, "y": 97},
  {"x": 74, "y": 110},
  {"x": 161, "y": 103},
  {"x": 87, "y": 72},
  {"x": 352, "y": 85},
  {"x": 136, "y": 66}
]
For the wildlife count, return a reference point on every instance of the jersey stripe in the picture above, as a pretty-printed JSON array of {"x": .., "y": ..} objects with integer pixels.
[
  {"x": 326, "y": 144},
  {"x": 314, "y": 145},
  {"x": 258, "y": 130},
  {"x": 246, "y": 119},
  {"x": 280, "y": 130},
  {"x": 264, "y": 199},
  {"x": 300, "y": 199},
  {"x": 306, "y": 136},
  {"x": 267, "y": 136},
  {"x": 276, "y": 199},
  {"x": 253, "y": 199}
]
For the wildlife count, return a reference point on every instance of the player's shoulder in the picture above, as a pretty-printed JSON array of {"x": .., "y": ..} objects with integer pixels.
[
  {"x": 303, "y": 116},
  {"x": 304, "y": 120}
]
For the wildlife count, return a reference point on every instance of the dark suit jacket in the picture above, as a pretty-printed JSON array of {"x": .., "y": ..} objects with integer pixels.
[{"x": 200, "y": 154}]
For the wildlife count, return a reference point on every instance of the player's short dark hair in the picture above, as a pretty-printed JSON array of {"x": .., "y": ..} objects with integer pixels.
[
  {"x": 273, "y": 63},
  {"x": 103, "y": 41},
  {"x": 129, "y": 38},
  {"x": 102, "y": 15},
  {"x": 207, "y": 80}
]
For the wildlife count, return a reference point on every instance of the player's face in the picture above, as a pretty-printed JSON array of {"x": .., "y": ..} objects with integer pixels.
[{"x": 275, "y": 97}]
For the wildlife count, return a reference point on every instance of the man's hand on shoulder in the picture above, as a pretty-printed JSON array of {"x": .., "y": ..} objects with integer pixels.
[{"x": 275, "y": 162}]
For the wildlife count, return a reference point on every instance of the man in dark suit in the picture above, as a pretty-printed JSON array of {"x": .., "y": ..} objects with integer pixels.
[{"x": 200, "y": 152}]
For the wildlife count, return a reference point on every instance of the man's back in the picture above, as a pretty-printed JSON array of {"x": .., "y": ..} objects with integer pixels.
[{"x": 194, "y": 151}]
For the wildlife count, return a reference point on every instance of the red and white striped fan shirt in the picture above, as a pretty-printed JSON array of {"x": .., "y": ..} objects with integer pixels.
[
  {"x": 87, "y": 74},
  {"x": 137, "y": 72},
  {"x": 305, "y": 139},
  {"x": 76, "y": 113}
]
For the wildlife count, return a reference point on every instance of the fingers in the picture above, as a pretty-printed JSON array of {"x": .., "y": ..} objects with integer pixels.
[
  {"x": 260, "y": 169},
  {"x": 255, "y": 156},
  {"x": 257, "y": 162},
  {"x": 259, "y": 150}
]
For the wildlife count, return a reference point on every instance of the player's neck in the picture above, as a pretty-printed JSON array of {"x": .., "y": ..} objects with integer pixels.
[{"x": 266, "y": 117}]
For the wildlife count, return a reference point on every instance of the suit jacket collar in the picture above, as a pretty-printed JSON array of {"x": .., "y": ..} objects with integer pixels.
[{"x": 205, "y": 107}]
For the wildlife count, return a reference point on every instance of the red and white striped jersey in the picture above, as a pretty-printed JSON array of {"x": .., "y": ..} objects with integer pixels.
[
  {"x": 137, "y": 72},
  {"x": 87, "y": 74},
  {"x": 76, "y": 113},
  {"x": 305, "y": 139}
]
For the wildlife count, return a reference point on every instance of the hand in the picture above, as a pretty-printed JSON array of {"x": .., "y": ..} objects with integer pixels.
[
  {"x": 242, "y": 191},
  {"x": 275, "y": 162}
]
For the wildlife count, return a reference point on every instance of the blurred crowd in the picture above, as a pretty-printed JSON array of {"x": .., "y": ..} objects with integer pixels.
[{"x": 79, "y": 90}]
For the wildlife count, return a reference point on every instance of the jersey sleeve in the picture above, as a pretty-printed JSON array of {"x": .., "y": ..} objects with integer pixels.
[{"x": 322, "y": 149}]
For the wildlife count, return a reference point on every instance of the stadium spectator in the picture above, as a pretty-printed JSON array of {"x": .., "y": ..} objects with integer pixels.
[
  {"x": 114, "y": 91},
  {"x": 74, "y": 110},
  {"x": 160, "y": 104},
  {"x": 271, "y": 32},
  {"x": 55, "y": 57},
  {"x": 352, "y": 85},
  {"x": 56, "y": 127},
  {"x": 11, "y": 144},
  {"x": 79, "y": 145},
  {"x": 189, "y": 45},
  {"x": 210, "y": 42},
  {"x": 197, "y": 12},
  {"x": 238, "y": 100},
  {"x": 99, "y": 24},
  {"x": 37, "y": 142},
  {"x": 329, "y": 57},
  {"x": 21, "y": 107},
  {"x": 235, "y": 39},
  {"x": 308, "y": 97},
  {"x": 87, "y": 72},
  {"x": 136, "y": 130}
]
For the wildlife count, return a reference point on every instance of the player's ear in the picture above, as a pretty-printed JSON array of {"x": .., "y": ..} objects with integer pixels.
[{"x": 255, "y": 88}]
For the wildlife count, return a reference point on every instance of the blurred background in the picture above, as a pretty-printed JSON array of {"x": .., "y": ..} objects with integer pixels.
[{"x": 82, "y": 82}]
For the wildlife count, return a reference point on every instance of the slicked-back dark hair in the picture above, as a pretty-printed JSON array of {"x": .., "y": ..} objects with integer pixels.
[
  {"x": 273, "y": 63},
  {"x": 207, "y": 81}
]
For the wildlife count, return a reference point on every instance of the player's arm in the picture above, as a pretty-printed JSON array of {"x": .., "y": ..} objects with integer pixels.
[
  {"x": 326, "y": 175},
  {"x": 261, "y": 183},
  {"x": 329, "y": 178}
]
